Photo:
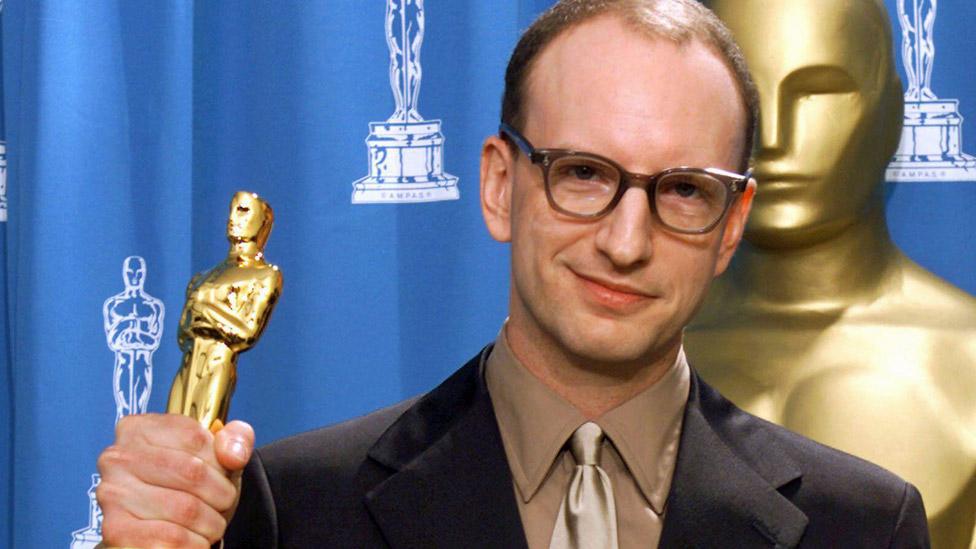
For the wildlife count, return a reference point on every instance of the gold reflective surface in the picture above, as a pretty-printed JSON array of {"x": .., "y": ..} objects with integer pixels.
[
  {"x": 821, "y": 323},
  {"x": 227, "y": 309}
]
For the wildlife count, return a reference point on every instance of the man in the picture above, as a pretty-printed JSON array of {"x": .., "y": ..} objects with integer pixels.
[{"x": 585, "y": 398}]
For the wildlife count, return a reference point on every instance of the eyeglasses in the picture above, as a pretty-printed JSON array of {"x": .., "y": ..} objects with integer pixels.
[{"x": 584, "y": 185}]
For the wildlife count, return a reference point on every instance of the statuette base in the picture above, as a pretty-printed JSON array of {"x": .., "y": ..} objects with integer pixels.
[
  {"x": 91, "y": 536},
  {"x": 931, "y": 145},
  {"x": 405, "y": 165}
]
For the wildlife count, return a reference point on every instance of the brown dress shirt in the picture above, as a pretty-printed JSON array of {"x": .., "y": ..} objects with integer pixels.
[{"x": 638, "y": 455}]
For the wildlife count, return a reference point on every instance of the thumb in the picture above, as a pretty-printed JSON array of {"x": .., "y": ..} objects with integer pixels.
[{"x": 234, "y": 445}]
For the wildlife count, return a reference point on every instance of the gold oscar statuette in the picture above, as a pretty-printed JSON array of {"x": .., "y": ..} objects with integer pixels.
[
  {"x": 821, "y": 323},
  {"x": 227, "y": 308}
]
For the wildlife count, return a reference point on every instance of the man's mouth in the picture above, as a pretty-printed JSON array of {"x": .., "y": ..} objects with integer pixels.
[{"x": 613, "y": 294}]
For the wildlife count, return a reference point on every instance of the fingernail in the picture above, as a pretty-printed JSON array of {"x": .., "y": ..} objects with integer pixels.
[{"x": 238, "y": 449}]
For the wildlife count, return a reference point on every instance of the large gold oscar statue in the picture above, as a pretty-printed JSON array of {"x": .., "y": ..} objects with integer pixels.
[
  {"x": 227, "y": 309},
  {"x": 822, "y": 324}
]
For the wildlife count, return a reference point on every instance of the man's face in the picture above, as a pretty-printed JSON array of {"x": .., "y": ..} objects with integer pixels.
[
  {"x": 827, "y": 127},
  {"x": 620, "y": 288},
  {"x": 246, "y": 216}
]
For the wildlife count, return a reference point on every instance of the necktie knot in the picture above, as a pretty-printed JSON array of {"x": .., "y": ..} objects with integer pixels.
[
  {"x": 585, "y": 444},
  {"x": 587, "y": 518}
]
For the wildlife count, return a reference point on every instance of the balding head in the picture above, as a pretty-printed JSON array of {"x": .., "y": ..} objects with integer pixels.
[{"x": 677, "y": 21}]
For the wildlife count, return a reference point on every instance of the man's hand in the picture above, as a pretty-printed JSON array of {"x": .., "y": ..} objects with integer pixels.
[{"x": 168, "y": 482}]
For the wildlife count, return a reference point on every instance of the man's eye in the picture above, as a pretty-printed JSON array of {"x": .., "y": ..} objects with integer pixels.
[
  {"x": 583, "y": 172},
  {"x": 685, "y": 190}
]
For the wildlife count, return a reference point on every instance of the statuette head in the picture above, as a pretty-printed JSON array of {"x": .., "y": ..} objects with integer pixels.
[
  {"x": 830, "y": 112},
  {"x": 134, "y": 272},
  {"x": 250, "y": 219}
]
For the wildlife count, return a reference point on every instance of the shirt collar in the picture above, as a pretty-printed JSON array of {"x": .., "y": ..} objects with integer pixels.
[
  {"x": 646, "y": 431},
  {"x": 535, "y": 423}
]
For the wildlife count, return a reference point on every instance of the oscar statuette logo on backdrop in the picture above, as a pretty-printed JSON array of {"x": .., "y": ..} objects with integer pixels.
[
  {"x": 931, "y": 140},
  {"x": 3, "y": 181},
  {"x": 3, "y": 158},
  {"x": 133, "y": 322},
  {"x": 406, "y": 152}
]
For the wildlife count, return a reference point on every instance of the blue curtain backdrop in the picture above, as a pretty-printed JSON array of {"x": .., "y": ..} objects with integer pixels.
[{"x": 129, "y": 124}]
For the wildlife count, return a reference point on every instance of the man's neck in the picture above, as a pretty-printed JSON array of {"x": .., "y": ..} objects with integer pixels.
[
  {"x": 592, "y": 387},
  {"x": 824, "y": 278}
]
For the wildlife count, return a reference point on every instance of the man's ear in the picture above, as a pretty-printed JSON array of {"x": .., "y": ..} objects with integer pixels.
[
  {"x": 497, "y": 177},
  {"x": 735, "y": 225}
]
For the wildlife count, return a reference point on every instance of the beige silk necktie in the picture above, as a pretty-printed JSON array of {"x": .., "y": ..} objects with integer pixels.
[{"x": 587, "y": 518}]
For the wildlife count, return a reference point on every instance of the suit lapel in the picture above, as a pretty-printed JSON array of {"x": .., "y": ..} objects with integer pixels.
[
  {"x": 451, "y": 485},
  {"x": 719, "y": 498}
]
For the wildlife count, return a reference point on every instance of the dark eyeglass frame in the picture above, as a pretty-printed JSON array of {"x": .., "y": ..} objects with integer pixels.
[{"x": 544, "y": 158}]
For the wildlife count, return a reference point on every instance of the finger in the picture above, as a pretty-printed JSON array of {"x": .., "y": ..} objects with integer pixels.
[
  {"x": 166, "y": 468},
  {"x": 153, "y": 503},
  {"x": 235, "y": 479},
  {"x": 138, "y": 461},
  {"x": 234, "y": 445},
  {"x": 122, "y": 529},
  {"x": 166, "y": 431}
]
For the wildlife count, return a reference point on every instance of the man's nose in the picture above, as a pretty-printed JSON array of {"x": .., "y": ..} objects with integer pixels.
[{"x": 624, "y": 235}]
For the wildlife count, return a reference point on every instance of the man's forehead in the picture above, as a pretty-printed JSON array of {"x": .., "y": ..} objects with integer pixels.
[
  {"x": 583, "y": 53},
  {"x": 639, "y": 84}
]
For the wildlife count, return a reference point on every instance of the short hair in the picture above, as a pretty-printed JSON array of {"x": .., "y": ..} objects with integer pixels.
[{"x": 679, "y": 21}]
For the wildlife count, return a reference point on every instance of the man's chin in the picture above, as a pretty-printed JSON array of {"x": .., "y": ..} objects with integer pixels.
[{"x": 605, "y": 347}]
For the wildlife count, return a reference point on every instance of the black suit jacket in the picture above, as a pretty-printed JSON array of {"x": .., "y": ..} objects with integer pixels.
[{"x": 432, "y": 472}]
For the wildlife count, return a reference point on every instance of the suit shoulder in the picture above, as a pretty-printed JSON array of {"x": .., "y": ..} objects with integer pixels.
[
  {"x": 309, "y": 487},
  {"x": 829, "y": 476},
  {"x": 848, "y": 501},
  {"x": 841, "y": 469},
  {"x": 340, "y": 446},
  {"x": 849, "y": 498}
]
